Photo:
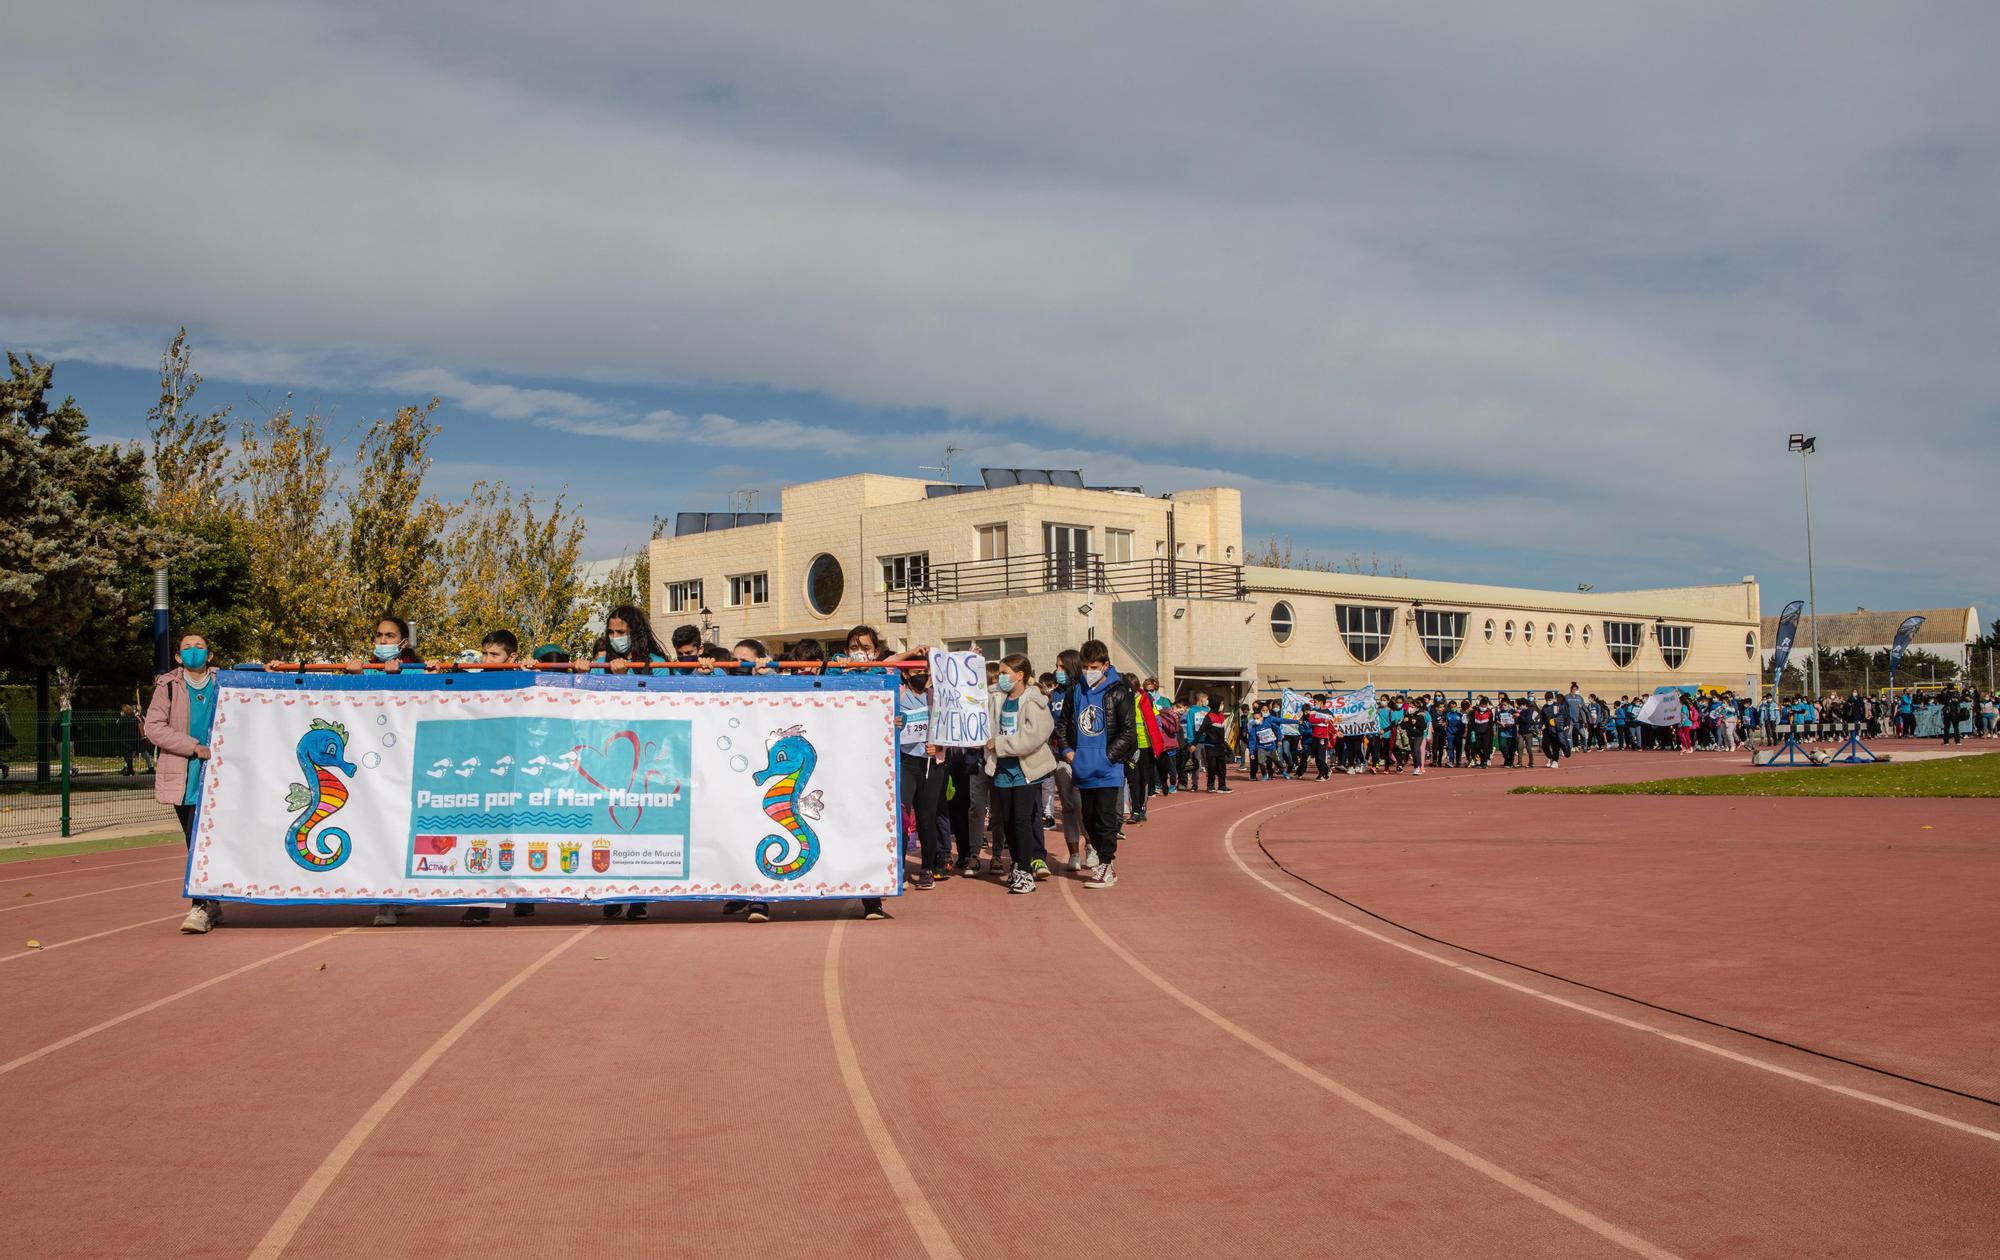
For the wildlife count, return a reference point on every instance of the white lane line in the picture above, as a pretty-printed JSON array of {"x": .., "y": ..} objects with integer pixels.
[
  {"x": 923, "y": 1218},
  {"x": 157, "y": 1003},
  {"x": 49, "y": 901},
  {"x": 1402, "y": 1124},
  {"x": 85, "y": 870},
  {"x": 1807, "y": 1078},
  {"x": 282, "y": 1230},
  {"x": 78, "y": 940}
]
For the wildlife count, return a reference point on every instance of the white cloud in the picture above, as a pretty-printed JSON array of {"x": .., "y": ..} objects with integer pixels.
[
  {"x": 503, "y": 402},
  {"x": 673, "y": 429}
]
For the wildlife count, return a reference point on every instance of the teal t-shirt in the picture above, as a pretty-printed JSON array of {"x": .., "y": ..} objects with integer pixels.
[
  {"x": 1007, "y": 770},
  {"x": 201, "y": 720}
]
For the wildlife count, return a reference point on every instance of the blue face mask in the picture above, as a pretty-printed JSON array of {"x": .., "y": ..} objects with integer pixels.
[
  {"x": 388, "y": 651},
  {"x": 194, "y": 657},
  {"x": 621, "y": 642},
  {"x": 1005, "y": 683},
  {"x": 1062, "y": 678}
]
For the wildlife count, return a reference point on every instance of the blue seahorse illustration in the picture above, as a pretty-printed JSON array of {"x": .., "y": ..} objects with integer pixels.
[
  {"x": 322, "y": 793},
  {"x": 791, "y": 765}
]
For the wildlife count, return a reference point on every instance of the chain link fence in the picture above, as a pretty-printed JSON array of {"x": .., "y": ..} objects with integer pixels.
[{"x": 69, "y": 774}]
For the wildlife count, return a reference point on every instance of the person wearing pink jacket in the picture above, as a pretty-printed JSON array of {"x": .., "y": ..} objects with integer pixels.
[{"x": 178, "y": 720}]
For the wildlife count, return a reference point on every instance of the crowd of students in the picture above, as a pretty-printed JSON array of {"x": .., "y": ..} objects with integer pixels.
[{"x": 1083, "y": 749}]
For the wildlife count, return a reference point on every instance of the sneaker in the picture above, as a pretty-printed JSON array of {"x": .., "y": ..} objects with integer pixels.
[
  {"x": 614, "y": 911},
  {"x": 1226, "y": 791},
  {"x": 1021, "y": 881},
  {"x": 924, "y": 882},
  {"x": 970, "y": 868},
  {"x": 215, "y": 914},
  {"x": 1038, "y": 869},
  {"x": 1101, "y": 877},
  {"x": 760, "y": 912},
  {"x": 1074, "y": 864},
  {"x": 637, "y": 913},
  {"x": 871, "y": 908},
  {"x": 477, "y": 916},
  {"x": 385, "y": 916},
  {"x": 198, "y": 920},
  {"x": 942, "y": 873},
  {"x": 1090, "y": 858}
]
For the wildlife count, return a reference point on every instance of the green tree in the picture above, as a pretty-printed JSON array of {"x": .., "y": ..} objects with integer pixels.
[
  {"x": 190, "y": 448},
  {"x": 73, "y": 530},
  {"x": 507, "y": 563},
  {"x": 299, "y": 601},
  {"x": 395, "y": 531}
]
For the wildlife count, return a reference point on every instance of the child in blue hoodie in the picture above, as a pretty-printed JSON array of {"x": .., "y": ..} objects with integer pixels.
[{"x": 1098, "y": 738}]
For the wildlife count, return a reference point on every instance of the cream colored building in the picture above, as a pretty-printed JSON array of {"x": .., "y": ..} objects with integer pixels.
[{"x": 1035, "y": 561}]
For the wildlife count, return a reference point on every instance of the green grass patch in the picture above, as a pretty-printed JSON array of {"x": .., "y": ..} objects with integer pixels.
[
  {"x": 1949, "y": 777},
  {"x": 70, "y": 848}
]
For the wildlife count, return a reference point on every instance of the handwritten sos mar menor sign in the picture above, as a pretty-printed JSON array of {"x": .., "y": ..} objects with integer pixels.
[{"x": 958, "y": 699}]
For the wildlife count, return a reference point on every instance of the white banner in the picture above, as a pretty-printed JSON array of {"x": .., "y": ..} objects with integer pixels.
[
  {"x": 958, "y": 699},
  {"x": 548, "y": 787}
]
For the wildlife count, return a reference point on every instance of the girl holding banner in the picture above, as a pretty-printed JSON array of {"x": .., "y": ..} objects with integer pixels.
[{"x": 178, "y": 719}]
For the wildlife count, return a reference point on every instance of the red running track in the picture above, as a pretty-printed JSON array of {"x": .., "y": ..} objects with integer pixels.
[{"x": 1212, "y": 1058}]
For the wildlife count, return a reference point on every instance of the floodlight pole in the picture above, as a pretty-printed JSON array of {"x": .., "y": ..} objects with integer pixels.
[{"x": 1805, "y": 446}]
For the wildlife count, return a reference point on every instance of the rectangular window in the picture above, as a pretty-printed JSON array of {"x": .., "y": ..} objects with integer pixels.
[
  {"x": 910, "y": 572},
  {"x": 749, "y": 588},
  {"x": 992, "y": 542},
  {"x": 684, "y": 597},
  {"x": 1117, "y": 545},
  {"x": 994, "y": 648}
]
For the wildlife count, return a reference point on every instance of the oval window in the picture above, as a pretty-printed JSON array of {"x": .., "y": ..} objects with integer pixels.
[
  {"x": 1281, "y": 621},
  {"x": 1586, "y": 634},
  {"x": 1552, "y": 632},
  {"x": 1750, "y": 645},
  {"x": 1489, "y": 629},
  {"x": 1528, "y": 633},
  {"x": 1569, "y": 634},
  {"x": 1509, "y": 632},
  {"x": 825, "y": 584}
]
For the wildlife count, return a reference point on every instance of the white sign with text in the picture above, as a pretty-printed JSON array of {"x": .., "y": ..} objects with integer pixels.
[{"x": 958, "y": 699}]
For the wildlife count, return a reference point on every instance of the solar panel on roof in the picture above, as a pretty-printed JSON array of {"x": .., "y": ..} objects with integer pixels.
[
  {"x": 1066, "y": 477},
  {"x": 1033, "y": 476},
  {"x": 995, "y": 478},
  {"x": 686, "y": 523}
]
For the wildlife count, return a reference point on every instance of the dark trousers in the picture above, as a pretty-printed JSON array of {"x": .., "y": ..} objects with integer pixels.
[
  {"x": 1138, "y": 777},
  {"x": 1019, "y": 809},
  {"x": 1100, "y": 820},
  {"x": 1218, "y": 766},
  {"x": 186, "y": 815},
  {"x": 1552, "y": 746},
  {"x": 923, "y": 790},
  {"x": 1164, "y": 764}
]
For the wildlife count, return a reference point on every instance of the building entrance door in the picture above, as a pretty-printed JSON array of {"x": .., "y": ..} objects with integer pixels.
[{"x": 1067, "y": 552}]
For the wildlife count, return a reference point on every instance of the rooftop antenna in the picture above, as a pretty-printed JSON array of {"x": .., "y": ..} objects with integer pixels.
[{"x": 944, "y": 469}]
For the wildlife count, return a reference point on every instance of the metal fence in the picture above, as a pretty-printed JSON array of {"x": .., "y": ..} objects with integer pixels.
[
  {"x": 99, "y": 771},
  {"x": 1039, "y": 573}
]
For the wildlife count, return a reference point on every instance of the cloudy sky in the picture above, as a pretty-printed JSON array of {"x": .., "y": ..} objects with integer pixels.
[{"x": 1520, "y": 292}]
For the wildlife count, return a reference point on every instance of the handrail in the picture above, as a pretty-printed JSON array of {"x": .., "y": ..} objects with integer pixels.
[{"x": 1037, "y": 573}]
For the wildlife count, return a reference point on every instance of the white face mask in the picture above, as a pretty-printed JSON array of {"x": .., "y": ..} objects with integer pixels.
[
  {"x": 621, "y": 642},
  {"x": 1092, "y": 675},
  {"x": 388, "y": 651}
]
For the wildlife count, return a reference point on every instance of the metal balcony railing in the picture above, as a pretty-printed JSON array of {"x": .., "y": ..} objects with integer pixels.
[{"x": 1041, "y": 573}]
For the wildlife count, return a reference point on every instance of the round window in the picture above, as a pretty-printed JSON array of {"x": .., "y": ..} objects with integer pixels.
[
  {"x": 1509, "y": 632},
  {"x": 1569, "y": 634},
  {"x": 1528, "y": 633},
  {"x": 825, "y": 584},
  {"x": 1489, "y": 629},
  {"x": 1281, "y": 621}
]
